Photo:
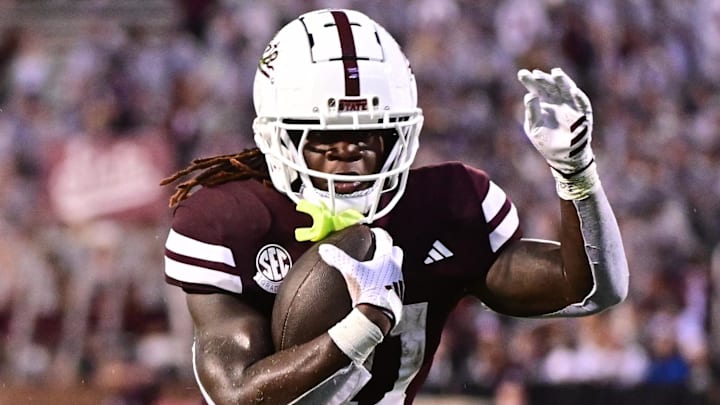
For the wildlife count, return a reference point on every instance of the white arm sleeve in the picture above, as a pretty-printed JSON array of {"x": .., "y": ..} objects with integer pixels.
[
  {"x": 339, "y": 388},
  {"x": 605, "y": 252}
]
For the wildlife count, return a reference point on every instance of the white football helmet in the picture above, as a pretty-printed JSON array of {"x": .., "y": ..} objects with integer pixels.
[{"x": 329, "y": 70}]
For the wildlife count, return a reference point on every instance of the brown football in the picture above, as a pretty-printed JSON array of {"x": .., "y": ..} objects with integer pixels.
[{"x": 313, "y": 297}]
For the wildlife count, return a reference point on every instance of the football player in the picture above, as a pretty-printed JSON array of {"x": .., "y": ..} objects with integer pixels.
[{"x": 337, "y": 131}]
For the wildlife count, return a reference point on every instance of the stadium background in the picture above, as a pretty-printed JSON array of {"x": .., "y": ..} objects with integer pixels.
[{"x": 100, "y": 99}]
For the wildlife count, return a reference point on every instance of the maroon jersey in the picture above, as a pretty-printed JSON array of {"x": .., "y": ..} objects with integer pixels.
[{"x": 452, "y": 222}]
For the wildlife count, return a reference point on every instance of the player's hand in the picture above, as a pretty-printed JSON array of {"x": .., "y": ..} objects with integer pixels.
[
  {"x": 378, "y": 281},
  {"x": 558, "y": 120}
]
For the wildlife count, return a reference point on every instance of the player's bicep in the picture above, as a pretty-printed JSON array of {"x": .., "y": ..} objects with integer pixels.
[
  {"x": 527, "y": 279},
  {"x": 229, "y": 336}
]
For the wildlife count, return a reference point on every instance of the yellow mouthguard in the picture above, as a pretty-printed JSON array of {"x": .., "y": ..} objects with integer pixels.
[{"x": 324, "y": 222}]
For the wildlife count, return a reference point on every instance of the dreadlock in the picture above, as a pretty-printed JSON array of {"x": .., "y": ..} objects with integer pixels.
[{"x": 248, "y": 164}]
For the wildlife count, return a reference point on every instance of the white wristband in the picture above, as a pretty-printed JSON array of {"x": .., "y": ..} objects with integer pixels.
[
  {"x": 578, "y": 186},
  {"x": 356, "y": 336}
]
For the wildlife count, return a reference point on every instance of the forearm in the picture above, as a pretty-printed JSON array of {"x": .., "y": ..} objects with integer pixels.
[
  {"x": 227, "y": 373},
  {"x": 593, "y": 254},
  {"x": 278, "y": 378}
]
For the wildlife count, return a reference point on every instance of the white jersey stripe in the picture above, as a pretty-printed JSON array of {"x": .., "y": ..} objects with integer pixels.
[
  {"x": 189, "y": 273},
  {"x": 493, "y": 202},
  {"x": 190, "y": 247},
  {"x": 505, "y": 230}
]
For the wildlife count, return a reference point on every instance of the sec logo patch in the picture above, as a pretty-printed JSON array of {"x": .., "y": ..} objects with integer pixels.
[{"x": 273, "y": 263}]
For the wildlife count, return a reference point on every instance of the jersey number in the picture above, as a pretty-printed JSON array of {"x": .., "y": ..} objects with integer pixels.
[{"x": 401, "y": 354}]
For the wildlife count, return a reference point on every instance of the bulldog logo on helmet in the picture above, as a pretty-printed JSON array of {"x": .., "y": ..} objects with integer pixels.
[{"x": 268, "y": 57}]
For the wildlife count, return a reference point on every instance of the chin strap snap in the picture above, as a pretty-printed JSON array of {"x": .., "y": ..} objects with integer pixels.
[{"x": 324, "y": 222}]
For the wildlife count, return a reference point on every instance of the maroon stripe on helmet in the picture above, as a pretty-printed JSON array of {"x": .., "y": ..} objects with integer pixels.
[{"x": 349, "y": 55}]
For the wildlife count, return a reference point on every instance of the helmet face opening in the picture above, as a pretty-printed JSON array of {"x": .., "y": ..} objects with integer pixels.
[{"x": 336, "y": 71}]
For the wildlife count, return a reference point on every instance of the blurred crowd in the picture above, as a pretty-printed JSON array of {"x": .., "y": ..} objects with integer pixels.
[{"x": 87, "y": 131}]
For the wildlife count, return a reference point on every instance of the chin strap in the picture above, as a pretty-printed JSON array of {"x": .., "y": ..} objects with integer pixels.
[{"x": 324, "y": 222}]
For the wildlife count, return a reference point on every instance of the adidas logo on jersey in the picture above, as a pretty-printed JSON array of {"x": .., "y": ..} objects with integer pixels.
[{"x": 438, "y": 252}]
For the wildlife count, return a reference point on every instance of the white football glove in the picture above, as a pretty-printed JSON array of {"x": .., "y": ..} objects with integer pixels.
[
  {"x": 559, "y": 122},
  {"x": 378, "y": 281}
]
